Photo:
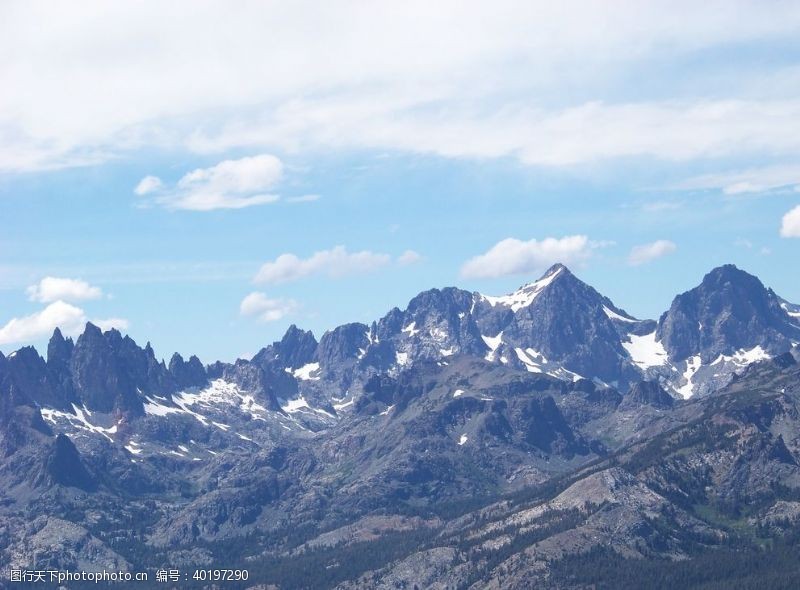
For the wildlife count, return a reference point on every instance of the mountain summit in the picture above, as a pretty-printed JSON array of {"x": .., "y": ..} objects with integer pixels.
[
  {"x": 730, "y": 311},
  {"x": 561, "y": 320}
]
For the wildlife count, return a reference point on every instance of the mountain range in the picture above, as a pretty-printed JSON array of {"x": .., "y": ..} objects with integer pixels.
[{"x": 467, "y": 441}]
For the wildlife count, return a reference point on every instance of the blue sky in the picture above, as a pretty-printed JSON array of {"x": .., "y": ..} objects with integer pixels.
[{"x": 321, "y": 166}]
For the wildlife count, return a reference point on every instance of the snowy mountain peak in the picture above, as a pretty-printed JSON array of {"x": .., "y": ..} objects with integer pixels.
[{"x": 526, "y": 294}]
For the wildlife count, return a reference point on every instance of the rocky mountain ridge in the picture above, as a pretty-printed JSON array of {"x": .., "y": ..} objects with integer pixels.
[
  {"x": 455, "y": 438},
  {"x": 556, "y": 325}
]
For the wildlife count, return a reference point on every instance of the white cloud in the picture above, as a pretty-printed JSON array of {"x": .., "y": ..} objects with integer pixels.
[
  {"x": 592, "y": 131},
  {"x": 41, "y": 324},
  {"x": 427, "y": 77},
  {"x": 59, "y": 314},
  {"x": 51, "y": 289},
  {"x": 512, "y": 256},
  {"x": 740, "y": 188},
  {"x": 337, "y": 262},
  {"x": 748, "y": 181},
  {"x": 245, "y": 175},
  {"x": 408, "y": 257},
  {"x": 790, "y": 224},
  {"x": 647, "y": 252},
  {"x": 147, "y": 185},
  {"x": 231, "y": 184},
  {"x": 258, "y": 305}
]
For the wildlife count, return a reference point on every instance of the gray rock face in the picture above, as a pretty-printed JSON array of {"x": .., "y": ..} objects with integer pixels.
[
  {"x": 647, "y": 393},
  {"x": 729, "y": 311},
  {"x": 63, "y": 465},
  {"x": 342, "y": 345},
  {"x": 108, "y": 372},
  {"x": 265, "y": 385},
  {"x": 28, "y": 375},
  {"x": 296, "y": 348},
  {"x": 53, "y": 543},
  {"x": 21, "y": 425},
  {"x": 59, "y": 353},
  {"x": 442, "y": 326},
  {"x": 431, "y": 569},
  {"x": 101, "y": 372},
  {"x": 189, "y": 373}
]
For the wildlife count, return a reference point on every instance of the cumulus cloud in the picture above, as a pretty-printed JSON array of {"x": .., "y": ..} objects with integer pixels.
[
  {"x": 336, "y": 262},
  {"x": 59, "y": 314},
  {"x": 408, "y": 258},
  {"x": 51, "y": 289},
  {"x": 41, "y": 324},
  {"x": 264, "y": 309},
  {"x": 647, "y": 252},
  {"x": 512, "y": 256},
  {"x": 147, "y": 185},
  {"x": 231, "y": 184},
  {"x": 790, "y": 224}
]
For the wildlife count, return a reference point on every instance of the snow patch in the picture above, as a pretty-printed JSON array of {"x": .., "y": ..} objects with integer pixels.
[
  {"x": 410, "y": 329},
  {"x": 530, "y": 358},
  {"x": 301, "y": 405},
  {"x": 615, "y": 316},
  {"x": 645, "y": 351},
  {"x": 219, "y": 392},
  {"x": 304, "y": 373},
  {"x": 743, "y": 356},
  {"x": 295, "y": 405},
  {"x": 524, "y": 296},
  {"x": 341, "y": 403},
  {"x": 80, "y": 420},
  {"x": 493, "y": 342},
  {"x": 153, "y": 408},
  {"x": 462, "y": 440},
  {"x": 792, "y": 310},
  {"x": 458, "y": 392},
  {"x": 692, "y": 365},
  {"x": 372, "y": 338},
  {"x": 133, "y": 448}
]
